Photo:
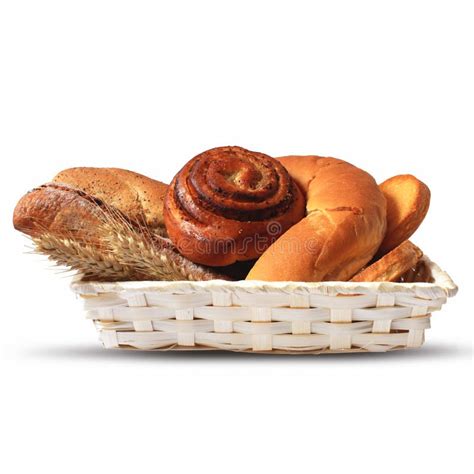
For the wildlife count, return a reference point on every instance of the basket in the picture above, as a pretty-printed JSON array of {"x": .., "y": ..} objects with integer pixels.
[{"x": 264, "y": 317}]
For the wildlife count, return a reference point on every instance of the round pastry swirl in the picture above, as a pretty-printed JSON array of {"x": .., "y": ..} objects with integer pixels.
[{"x": 229, "y": 204}]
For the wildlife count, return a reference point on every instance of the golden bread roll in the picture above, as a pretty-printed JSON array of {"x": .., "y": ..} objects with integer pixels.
[
  {"x": 408, "y": 200},
  {"x": 393, "y": 265},
  {"x": 345, "y": 225},
  {"x": 138, "y": 197},
  {"x": 229, "y": 204}
]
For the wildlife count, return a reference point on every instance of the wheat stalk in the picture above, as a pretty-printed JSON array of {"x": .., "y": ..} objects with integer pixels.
[
  {"x": 122, "y": 251},
  {"x": 86, "y": 259},
  {"x": 151, "y": 255}
]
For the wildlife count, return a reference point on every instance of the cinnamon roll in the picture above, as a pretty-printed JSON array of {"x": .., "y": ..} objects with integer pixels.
[{"x": 230, "y": 204}]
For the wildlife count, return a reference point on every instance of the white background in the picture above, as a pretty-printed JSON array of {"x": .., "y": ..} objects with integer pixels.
[{"x": 148, "y": 85}]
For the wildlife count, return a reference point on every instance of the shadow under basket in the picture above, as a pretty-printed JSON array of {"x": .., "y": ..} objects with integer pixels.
[{"x": 265, "y": 317}]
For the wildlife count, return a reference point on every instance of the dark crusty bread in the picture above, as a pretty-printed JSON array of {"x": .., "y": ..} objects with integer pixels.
[
  {"x": 344, "y": 227},
  {"x": 138, "y": 197},
  {"x": 61, "y": 211}
]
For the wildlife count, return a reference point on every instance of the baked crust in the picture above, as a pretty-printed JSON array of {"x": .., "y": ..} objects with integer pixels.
[
  {"x": 229, "y": 204},
  {"x": 345, "y": 225},
  {"x": 408, "y": 200},
  {"x": 393, "y": 265},
  {"x": 61, "y": 211},
  {"x": 138, "y": 197}
]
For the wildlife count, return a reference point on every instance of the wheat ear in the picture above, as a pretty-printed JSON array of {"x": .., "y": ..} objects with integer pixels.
[
  {"x": 121, "y": 251},
  {"x": 151, "y": 255},
  {"x": 86, "y": 259}
]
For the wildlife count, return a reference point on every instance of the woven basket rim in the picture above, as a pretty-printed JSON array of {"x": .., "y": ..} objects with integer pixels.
[{"x": 443, "y": 286}]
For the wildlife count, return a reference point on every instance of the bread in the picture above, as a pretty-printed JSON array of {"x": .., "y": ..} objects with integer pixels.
[
  {"x": 61, "y": 211},
  {"x": 83, "y": 225},
  {"x": 393, "y": 265},
  {"x": 408, "y": 200},
  {"x": 345, "y": 225},
  {"x": 229, "y": 204},
  {"x": 136, "y": 196},
  {"x": 419, "y": 273}
]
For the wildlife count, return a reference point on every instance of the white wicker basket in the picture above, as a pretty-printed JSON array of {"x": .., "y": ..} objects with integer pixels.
[{"x": 264, "y": 317}]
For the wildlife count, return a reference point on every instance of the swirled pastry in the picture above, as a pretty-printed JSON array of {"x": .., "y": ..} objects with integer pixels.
[{"x": 230, "y": 204}]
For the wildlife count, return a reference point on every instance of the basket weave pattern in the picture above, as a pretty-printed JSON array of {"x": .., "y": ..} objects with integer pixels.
[{"x": 265, "y": 317}]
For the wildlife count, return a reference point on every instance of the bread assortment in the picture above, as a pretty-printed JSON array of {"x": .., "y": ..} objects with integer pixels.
[
  {"x": 230, "y": 213},
  {"x": 82, "y": 232}
]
